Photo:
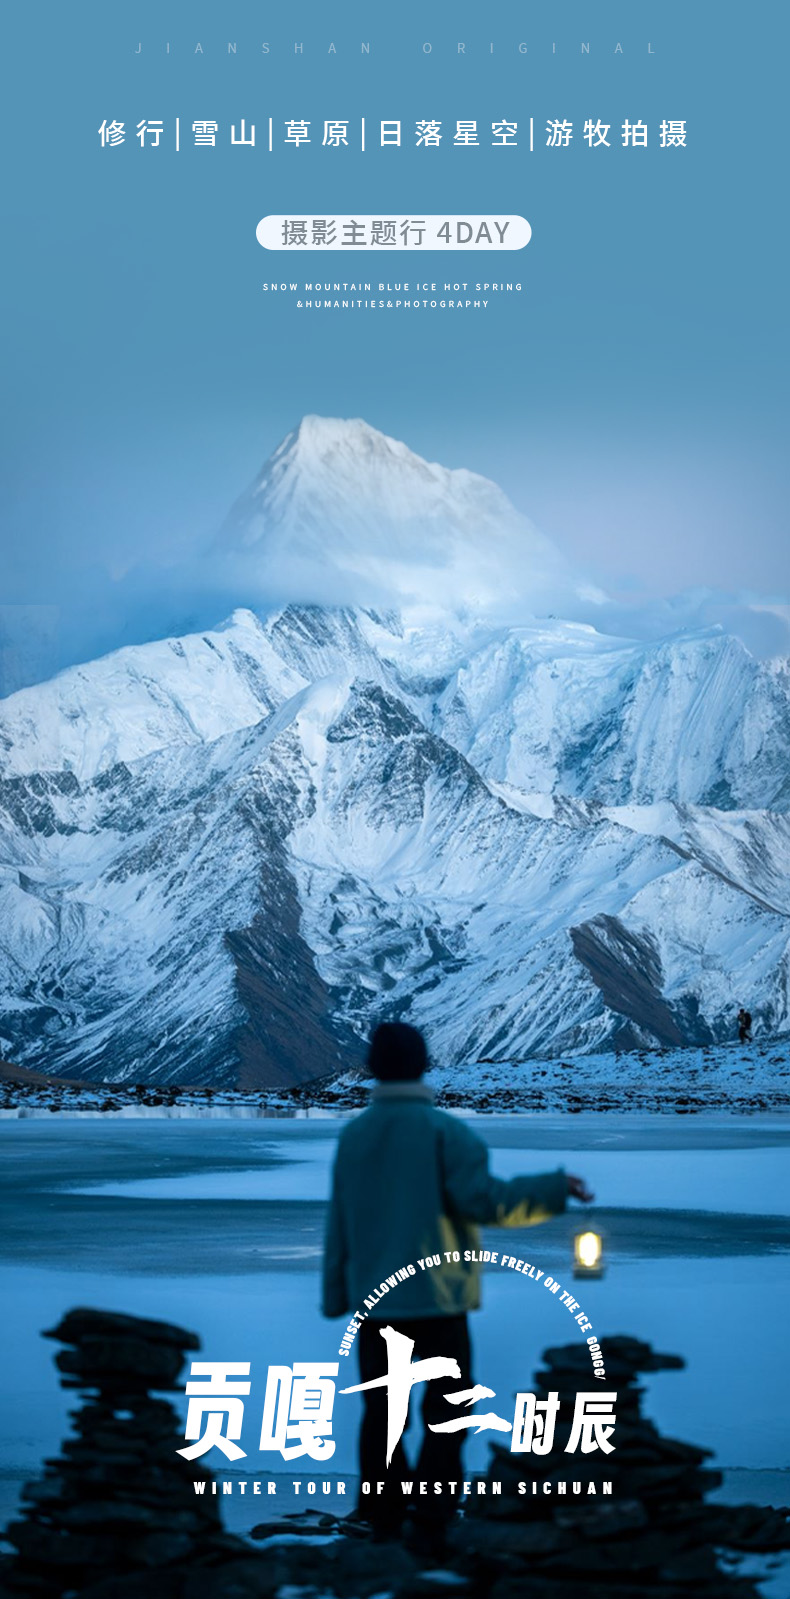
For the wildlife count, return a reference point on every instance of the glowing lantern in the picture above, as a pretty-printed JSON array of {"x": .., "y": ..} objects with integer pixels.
[{"x": 588, "y": 1255}]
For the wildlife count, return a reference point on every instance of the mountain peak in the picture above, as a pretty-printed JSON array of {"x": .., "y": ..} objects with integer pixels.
[
  {"x": 317, "y": 431},
  {"x": 344, "y": 514}
]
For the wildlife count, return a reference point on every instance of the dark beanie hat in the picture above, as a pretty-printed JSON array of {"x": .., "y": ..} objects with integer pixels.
[{"x": 397, "y": 1053}]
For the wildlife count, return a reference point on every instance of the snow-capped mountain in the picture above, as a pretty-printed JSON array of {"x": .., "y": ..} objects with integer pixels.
[
  {"x": 224, "y": 855},
  {"x": 563, "y": 710},
  {"x": 343, "y": 515}
]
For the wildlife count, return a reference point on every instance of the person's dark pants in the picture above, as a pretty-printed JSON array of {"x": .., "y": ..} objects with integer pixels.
[{"x": 440, "y": 1454}]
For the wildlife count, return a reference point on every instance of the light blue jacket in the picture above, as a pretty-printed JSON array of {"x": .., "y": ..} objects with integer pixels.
[{"x": 411, "y": 1182}]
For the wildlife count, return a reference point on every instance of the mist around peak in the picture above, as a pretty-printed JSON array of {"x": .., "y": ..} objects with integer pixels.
[{"x": 342, "y": 516}]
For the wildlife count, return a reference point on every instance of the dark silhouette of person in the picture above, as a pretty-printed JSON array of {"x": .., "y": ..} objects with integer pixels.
[
  {"x": 744, "y": 1026},
  {"x": 411, "y": 1183}
]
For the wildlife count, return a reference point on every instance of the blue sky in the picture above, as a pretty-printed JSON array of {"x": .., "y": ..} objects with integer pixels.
[{"x": 632, "y": 399}]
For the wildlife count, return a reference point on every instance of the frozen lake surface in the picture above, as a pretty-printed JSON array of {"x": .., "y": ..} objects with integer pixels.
[
  {"x": 701, "y": 1179},
  {"x": 217, "y": 1224}
]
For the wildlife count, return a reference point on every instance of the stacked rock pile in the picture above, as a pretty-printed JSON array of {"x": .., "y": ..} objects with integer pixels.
[
  {"x": 654, "y": 1538},
  {"x": 118, "y": 1506}
]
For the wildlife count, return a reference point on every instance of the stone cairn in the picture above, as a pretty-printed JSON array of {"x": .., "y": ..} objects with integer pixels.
[
  {"x": 116, "y": 1512},
  {"x": 655, "y": 1538}
]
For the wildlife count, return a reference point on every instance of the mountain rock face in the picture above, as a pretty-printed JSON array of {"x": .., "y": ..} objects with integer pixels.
[{"x": 224, "y": 856}]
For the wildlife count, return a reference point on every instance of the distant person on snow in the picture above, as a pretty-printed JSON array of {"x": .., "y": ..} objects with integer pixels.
[
  {"x": 744, "y": 1026},
  {"x": 410, "y": 1182}
]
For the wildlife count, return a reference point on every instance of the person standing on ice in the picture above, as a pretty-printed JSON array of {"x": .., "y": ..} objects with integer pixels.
[
  {"x": 412, "y": 1182},
  {"x": 744, "y": 1026}
]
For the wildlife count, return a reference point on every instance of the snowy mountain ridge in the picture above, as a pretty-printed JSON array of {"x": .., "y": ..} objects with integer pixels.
[
  {"x": 553, "y": 707},
  {"x": 225, "y": 855}
]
